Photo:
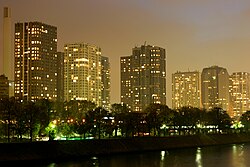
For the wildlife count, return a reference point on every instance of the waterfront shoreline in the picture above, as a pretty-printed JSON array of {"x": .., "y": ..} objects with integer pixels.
[{"x": 61, "y": 150}]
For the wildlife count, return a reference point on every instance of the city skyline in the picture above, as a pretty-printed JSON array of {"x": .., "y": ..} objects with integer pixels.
[{"x": 195, "y": 34}]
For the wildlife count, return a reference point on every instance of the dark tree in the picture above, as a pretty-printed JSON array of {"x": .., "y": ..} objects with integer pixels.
[
  {"x": 7, "y": 110},
  {"x": 219, "y": 117},
  {"x": 153, "y": 118},
  {"x": 245, "y": 120},
  {"x": 119, "y": 112}
]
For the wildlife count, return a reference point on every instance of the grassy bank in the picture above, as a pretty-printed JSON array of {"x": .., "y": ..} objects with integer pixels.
[{"x": 56, "y": 150}]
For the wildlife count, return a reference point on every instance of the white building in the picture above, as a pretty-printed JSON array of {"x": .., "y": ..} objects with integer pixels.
[{"x": 82, "y": 72}]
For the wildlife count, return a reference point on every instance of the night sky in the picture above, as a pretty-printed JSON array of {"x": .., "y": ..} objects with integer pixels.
[{"x": 195, "y": 33}]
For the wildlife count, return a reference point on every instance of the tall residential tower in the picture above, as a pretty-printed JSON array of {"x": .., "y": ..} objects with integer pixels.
[
  {"x": 240, "y": 93},
  {"x": 105, "y": 75},
  {"x": 35, "y": 61},
  {"x": 186, "y": 88},
  {"x": 143, "y": 77},
  {"x": 83, "y": 73},
  {"x": 215, "y": 88}
]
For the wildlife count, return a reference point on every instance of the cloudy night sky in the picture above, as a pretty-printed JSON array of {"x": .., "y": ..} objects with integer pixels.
[{"x": 195, "y": 33}]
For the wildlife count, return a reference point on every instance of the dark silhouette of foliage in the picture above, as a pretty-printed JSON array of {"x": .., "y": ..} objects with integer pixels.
[{"x": 245, "y": 120}]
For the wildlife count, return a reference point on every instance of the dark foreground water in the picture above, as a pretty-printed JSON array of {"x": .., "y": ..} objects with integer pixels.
[{"x": 237, "y": 155}]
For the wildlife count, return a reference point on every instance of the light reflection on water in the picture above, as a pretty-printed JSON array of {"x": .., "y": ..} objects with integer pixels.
[
  {"x": 212, "y": 156},
  {"x": 95, "y": 161},
  {"x": 163, "y": 153},
  {"x": 52, "y": 165},
  {"x": 198, "y": 159},
  {"x": 238, "y": 158}
]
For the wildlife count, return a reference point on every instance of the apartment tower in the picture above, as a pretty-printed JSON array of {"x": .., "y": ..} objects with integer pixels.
[
  {"x": 35, "y": 61},
  {"x": 239, "y": 93},
  {"x": 83, "y": 73},
  {"x": 143, "y": 77},
  {"x": 105, "y": 75},
  {"x": 186, "y": 88},
  {"x": 215, "y": 88}
]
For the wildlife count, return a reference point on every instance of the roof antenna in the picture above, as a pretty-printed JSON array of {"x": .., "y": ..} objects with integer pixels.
[{"x": 145, "y": 43}]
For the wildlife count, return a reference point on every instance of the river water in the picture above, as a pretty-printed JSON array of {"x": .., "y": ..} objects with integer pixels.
[{"x": 236, "y": 155}]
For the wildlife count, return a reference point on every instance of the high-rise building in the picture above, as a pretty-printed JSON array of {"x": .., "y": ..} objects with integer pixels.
[
  {"x": 8, "y": 56},
  {"x": 35, "y": 61},
  {"x": 82, "y": 72},
  {"x": 105, "y": 75},
  {"x": 215, "y": 88},
  {"x": 186, "y": 88},
  {"x": 143, "y": 77},
  {"x": 239, "y": 93},
  {"x": 4, "y": 87},
  {"x": 126, "y": 80}
]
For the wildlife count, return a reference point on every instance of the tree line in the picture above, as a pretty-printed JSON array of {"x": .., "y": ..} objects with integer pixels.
[{"x": 22, "y": 121}]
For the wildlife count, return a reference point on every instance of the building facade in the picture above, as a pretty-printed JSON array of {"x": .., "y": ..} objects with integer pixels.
[
  {"x": 105, "y": 79},
  {"x": 186, "y": 88},
  {"x": 143, "y": 77},
  {"x": 215, "y": 88},
  {"x": 126, "y": 80},
  {"x": 83, "y": 73},
  {"x": 35, "y": 61},
  {"x": 239, "y": 93}
]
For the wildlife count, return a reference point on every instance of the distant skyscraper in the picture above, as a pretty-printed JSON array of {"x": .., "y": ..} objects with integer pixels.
[
  {"x": 35, "y": 61},
  {"x": 4, "y": 87},
  {"x": 143, "y": 77},
  {"x": 240, "y": 93},
  {"x": 186, "y": 89},
  {"x": 82, "y": 72},
  {"x": 105, "y": 75},
  {"x": 215, "y": 88}
]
